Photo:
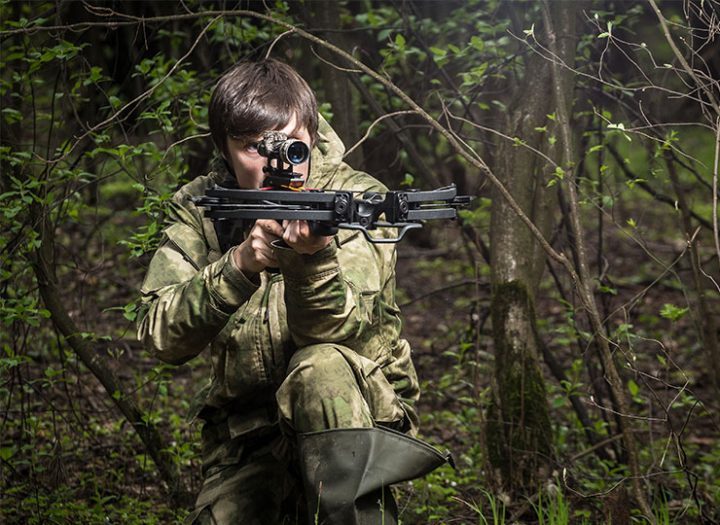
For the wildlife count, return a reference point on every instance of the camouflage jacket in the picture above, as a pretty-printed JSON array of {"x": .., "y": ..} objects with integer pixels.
[{"x": 196, "y": 298}]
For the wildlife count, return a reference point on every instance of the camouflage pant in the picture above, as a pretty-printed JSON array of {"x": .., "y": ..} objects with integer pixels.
[{"x": 327, "y": 386}]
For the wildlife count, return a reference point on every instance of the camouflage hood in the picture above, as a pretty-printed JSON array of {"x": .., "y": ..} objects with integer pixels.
[{"x": 327, "y": 156}]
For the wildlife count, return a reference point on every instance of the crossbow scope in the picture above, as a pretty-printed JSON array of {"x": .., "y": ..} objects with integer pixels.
[
  {"x": 277, "y": 145},
  {"x": 282, "y": 154}
]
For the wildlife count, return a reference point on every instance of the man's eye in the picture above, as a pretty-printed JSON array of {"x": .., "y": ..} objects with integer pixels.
[{"x": 252, "y": 147}]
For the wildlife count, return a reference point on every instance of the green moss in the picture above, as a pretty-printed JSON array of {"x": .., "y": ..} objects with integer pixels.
[{"x": 519, "y": 430}]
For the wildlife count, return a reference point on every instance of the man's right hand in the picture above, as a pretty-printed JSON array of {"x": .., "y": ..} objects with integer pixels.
[{"x": 256, "y": 253}]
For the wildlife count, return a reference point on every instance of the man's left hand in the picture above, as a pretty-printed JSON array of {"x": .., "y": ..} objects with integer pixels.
[{"x": 300, "y": 238}]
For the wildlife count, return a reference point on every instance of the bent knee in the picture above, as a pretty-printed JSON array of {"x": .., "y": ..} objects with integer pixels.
[
  {"x": 316, "y": 362},
  {"x": 321, "y": 391}
]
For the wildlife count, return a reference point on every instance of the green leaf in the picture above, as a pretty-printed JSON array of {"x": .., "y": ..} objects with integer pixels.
[
  {"x": 383, "y": 34},
  {"x": 607, "y": 33},
  {"x": 11, "y": 115},
  {"x": 130, "y": 311},
  {"x": 608, "y": 289},
  {"x": 477, "y": 43},
  {"x": 631, "y": 183},
  {"x": 672, "y": 312},
  {"x": 633, "y": 387},
  {"x": 50, "y": 372}
]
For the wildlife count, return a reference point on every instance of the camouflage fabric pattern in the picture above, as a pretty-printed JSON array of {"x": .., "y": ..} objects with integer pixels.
[
  {"x": 316, "y": 346},
  {"x": 328, "y": 386},
  {"x": 258, "y": 491}
]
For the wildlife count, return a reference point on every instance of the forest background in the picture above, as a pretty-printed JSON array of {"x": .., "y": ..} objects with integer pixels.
[{"x": 565, "y": 328}]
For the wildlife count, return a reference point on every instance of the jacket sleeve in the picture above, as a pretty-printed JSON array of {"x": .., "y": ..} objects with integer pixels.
[
  {"x": 188, "y": 301},
  {"x": 330, "y": 295},
  {"x": 321, "y": 305}
]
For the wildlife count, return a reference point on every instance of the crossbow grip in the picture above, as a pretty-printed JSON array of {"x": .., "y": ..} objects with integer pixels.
[{"x": 322, "y": 229}]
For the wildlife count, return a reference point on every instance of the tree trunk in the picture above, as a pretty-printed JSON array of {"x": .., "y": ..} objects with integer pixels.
[
  {"x": 519, "y": 430},
  {"x": 337, "y": 87}
]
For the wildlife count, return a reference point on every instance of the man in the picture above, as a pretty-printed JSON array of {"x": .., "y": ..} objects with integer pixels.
[{"x": 313, "y": 389}]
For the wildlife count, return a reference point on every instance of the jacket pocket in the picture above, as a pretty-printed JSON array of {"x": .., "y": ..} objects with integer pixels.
[{"x": 238, "y": 361}]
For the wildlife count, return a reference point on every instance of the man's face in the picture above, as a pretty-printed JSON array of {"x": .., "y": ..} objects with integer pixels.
[{"x": 248, "y": 164}]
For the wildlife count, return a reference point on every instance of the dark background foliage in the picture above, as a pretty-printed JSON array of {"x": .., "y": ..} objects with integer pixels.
[{"x": 573, "y": 367}]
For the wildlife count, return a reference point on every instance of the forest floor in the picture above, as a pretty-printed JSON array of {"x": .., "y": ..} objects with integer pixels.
[
  {"x": 67, "y": 452},
  {"x": 445, "y": 299}
]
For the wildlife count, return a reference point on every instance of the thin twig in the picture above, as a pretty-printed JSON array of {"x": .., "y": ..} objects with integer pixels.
[
  {"x": 715, "y": 191},
  {"x": 334, "y": 66},
  {"x": 442, "y": 289},
  {"x": 376, "y": 122},
  {"x": 191, "y": 137},
  {"x": 277, "y": 39}
]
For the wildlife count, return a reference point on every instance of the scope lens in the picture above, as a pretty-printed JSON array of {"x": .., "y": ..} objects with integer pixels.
[{"x": 297, "y": 152}]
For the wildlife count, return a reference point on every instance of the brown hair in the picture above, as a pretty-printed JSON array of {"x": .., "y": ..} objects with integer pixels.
[{"x": 254, "y": 97}]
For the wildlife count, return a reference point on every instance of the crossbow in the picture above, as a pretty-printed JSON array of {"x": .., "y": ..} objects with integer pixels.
[{"x": 284, "y": 197}]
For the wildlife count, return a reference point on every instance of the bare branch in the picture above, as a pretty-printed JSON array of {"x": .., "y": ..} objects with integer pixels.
[
  {"x": 374, "y": 123},
  {"x": 277, "y": 39},
  {"x": 690, "y": 71},
  {"x": 715, "y": 191}
]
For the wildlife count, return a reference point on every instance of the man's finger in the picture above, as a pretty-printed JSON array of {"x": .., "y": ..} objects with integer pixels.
[{"x": 270, "y": 226}]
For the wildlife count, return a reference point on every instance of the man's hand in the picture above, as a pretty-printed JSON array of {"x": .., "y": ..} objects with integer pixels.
[
  {"x": 299, "y": 237},
  {"x": 256, "y": 253}
]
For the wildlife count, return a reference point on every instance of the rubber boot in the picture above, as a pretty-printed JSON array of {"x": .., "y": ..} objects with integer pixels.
[{"x": 347, "y": 473}]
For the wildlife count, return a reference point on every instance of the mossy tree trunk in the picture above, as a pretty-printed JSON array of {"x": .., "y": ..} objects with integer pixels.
[{"x": 519, "y": 430}]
